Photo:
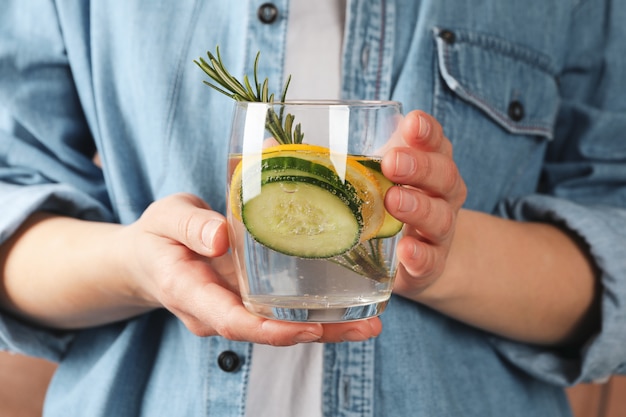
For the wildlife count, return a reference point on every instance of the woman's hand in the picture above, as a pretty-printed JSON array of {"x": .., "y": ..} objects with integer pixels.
[
  {"x": 179, "y": 260},
  {"x": 428, "y": 200},
  {"x": 526, "y": 281}
]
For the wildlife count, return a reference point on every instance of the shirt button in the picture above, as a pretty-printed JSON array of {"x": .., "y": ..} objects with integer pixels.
[
  {"x": 228, "y": 361},
  {"x": 267, "y": 13},
  {"x": 516, "y": 111},
  {"x": 447, "y": 36}
]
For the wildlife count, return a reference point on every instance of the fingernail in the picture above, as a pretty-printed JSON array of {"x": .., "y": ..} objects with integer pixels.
[
  {"x": 208, "y": 233},
  {"x": 405, "y": 164},
  {"x": 424, "y": 126},
  {"x": 407, "y": 203},
  {"x": 306, "y": 337}
]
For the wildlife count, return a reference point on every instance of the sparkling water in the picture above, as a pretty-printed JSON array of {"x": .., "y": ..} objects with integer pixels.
[{"x": 352, "y": 286}]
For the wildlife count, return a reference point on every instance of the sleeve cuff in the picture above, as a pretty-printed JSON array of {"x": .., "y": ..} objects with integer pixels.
[
  {"x": 603, "y": 229},
  {"x": 19, "y": 202},
  {"x": 19, "y": 337}
]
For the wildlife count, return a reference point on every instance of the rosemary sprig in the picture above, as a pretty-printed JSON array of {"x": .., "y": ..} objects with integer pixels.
[
  {"x": 366, "y": 259},
  {"x": 279, "y": 125}
]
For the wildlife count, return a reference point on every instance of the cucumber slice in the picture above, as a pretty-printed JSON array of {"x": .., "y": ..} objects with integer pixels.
[
  {"x": 289, "y": 166},
  {"x": 391, "y": 226},
  {"x": 355, "y": 188},
  {"x": 315, "y": 161},
  {"x": 355, "y": 176},
  {"x": 304, "y": 217}
]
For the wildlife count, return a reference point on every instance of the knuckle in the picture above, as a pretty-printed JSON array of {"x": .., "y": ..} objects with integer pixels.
[
  {"x": 429, "y": 263},
  {"x": 224, "y": 330},
  {"x": 462, "y": 193},
  {"x": 186, "y": 198},
  {"x": 187, "y": 227},
  {"x": 423, "y": 170},
  {"x": 450, "y": 178},
  {"x": 223, "y": 326},
  {"x": 199, "y": 329},
  {"x": 425, "y": 208},
  {"x": 446, "y": 225},
  {"x": 445, "y": 145},
  {"x": 190, "y": 228},
  {"x": 275, "y": 341}
]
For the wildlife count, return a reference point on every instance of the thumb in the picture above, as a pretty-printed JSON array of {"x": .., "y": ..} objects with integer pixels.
[{"x": 189, "y": 220}]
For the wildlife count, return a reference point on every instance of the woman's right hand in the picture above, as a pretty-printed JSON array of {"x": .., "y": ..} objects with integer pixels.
[{"x": 177, "y": 257}]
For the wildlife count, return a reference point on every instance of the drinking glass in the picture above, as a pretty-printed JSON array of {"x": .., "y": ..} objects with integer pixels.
[{"x": 310, "y": 236}]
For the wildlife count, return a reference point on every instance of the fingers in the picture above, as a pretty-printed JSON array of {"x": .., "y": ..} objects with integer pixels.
[
  {"x": 220, "y": 312},
  {"x": 422, "y": 131},
  {"x": 432, "y": 218},
  {"x": 189, "y": 220},
  {"x": 355, "y": 331},
  {"x": 430, "y": 194},
  {"x": 215, "y": 310},
  {"x": 195, "y": 292},
  {"x": 425, "y": 161},
  {"x": 432, "y": 190},
  {"x": 420, "y": 263},
  {"x": 187, "y": 270},
  {"x": 430, "y": 172}
]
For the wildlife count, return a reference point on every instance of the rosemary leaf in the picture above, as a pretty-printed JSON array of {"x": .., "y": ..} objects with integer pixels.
[
  {"x": 288, "y": 125},
  {"x": 283, "y": 96},
  {"x": 227, "y": 84},
  {"x": 246, "y": 81},
  {"x": 264, "y": 91},
  {"x": 228, "y": 81},
  {"x": 298, "y": 135},
  {"x": 256, "y": 79},
  {"x": 226, "y": 93}
]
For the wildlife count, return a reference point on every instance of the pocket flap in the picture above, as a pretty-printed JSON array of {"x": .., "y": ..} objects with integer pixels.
[{"x": 514, "y": 85}]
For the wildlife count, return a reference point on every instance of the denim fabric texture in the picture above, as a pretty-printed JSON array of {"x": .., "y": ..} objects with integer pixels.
[{"x": 532, "y": 95}]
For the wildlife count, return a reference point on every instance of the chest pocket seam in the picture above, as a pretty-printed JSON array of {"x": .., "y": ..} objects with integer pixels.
[{"x": 492, "y": 73}]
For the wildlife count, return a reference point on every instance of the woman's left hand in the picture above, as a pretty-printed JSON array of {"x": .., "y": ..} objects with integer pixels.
[{"x": 428, "y": 199}]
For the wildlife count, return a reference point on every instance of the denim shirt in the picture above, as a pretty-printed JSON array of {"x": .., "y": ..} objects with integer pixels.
[{"x": 531, "y": 94}]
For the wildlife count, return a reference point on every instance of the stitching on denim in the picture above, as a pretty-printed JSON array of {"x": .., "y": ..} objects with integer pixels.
[
  {"x": 175, "y": 90},
  {"x": 365, "y": 405},
  {"x": 245, "y": 379},
  {"x": 503, "y": 118},
  {"x": 329, "y": 381},
  {"x": 504, "y": 47},
  {"x": 495, "y": 113},
  {"x": 438, "y": 85},
  {"x": 381, "y": 48}
]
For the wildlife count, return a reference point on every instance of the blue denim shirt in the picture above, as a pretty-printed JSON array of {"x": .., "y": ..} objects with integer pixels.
[{"x": 531, "y": 93}]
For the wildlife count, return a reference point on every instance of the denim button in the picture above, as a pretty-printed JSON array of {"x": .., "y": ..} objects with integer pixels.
[
  {"x": 228, "y": 361},
  {"x": 516, "y": 111},
  {"x": 267, "y": 13},
  {"x": 447, "y": 36}
]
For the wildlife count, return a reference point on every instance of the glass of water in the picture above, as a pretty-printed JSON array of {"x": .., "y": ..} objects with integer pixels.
[{"x": 309, "y": 232}]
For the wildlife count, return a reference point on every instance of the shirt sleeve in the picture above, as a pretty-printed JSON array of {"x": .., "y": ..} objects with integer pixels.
[
  {"x": 46, "y": 148},
  {"x": 584, "y": 192}
]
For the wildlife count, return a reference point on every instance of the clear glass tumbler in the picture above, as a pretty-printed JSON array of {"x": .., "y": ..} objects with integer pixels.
[{"x": 309, "y": 232}]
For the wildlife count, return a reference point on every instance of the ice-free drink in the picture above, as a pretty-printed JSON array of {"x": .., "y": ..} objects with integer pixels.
[{"x": 312, "y": 240}]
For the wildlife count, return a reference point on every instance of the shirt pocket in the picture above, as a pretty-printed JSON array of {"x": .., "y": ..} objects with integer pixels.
[
  {"x": 498, "y": 102},
  {"x": 512, "y": 84}
]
